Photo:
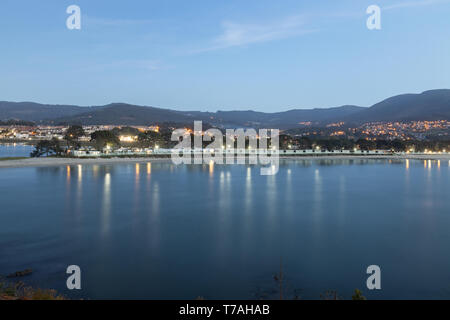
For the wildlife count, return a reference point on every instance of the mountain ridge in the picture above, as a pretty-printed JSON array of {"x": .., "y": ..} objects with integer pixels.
[{"x": 428, "y": 105}]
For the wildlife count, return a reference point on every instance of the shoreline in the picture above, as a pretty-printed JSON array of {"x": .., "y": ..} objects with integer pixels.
[{"x": 56, "y": 162}]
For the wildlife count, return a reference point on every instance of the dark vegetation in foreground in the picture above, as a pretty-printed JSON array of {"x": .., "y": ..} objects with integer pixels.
[
  {"x": 283, "y": 291},
  {"x": 19, "y": 291}
]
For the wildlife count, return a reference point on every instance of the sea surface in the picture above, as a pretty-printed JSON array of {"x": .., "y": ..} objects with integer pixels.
[
  {"x": 160, "y": 231},
  {"x": 8, "y": 150}
]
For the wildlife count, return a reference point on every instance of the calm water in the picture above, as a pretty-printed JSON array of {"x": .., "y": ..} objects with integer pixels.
[
  {"x": 160, "y": 231},
  {"x": 15, "y": 150}
]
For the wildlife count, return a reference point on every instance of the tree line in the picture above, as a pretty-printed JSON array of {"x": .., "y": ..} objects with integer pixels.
[
  {"x": 162, "y": 139},
  {"x": 330, "y": 144}
]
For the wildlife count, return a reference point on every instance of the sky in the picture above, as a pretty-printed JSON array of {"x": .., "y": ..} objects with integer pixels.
[{"x": 214, "y": 55}]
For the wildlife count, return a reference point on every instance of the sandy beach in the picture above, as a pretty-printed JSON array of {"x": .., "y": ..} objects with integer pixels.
[{"x": 48, "y": 162}]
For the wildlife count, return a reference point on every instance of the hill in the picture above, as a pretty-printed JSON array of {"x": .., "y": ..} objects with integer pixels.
[
  {"x": 126, "y": 114},
  {"x": 429, "y": 105},
  {"x": 30, "y": 111}
]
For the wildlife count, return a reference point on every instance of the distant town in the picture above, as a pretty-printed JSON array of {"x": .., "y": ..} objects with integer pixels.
[
  {"x": 412, "y": 130},
  {"x": 110, "y": 140}
]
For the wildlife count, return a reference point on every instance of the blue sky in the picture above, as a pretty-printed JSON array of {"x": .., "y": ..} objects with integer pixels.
[{"x": 222, "y": 55}]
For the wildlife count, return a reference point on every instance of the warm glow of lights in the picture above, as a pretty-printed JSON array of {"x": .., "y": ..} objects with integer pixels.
[
  {"x": 137, "y": 174},
  {"x": 108, "y": 183},
  {"x": 127, "y": 138},
  {"x": 149, "y": 168},
  {"x": 95, "y": 170},
  {"x": 407, "y": 164},
  {"x": 211, "y": 168}
]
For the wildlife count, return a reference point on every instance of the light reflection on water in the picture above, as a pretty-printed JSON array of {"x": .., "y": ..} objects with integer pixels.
[
  {"x": 155, "y": 230},
  {"x": 106, "y": 204}
]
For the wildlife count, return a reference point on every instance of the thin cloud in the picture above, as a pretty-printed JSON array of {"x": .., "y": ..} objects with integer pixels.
[
  {"x": 237, "y": 34},
  {"x": 409, "y": 4},
  {"x": 109, "y": 22}
]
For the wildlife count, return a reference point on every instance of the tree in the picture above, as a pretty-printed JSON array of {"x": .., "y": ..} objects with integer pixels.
[
  {"x": 55, "y": 147},
  {"x": 366, "y": 145},
  {"x": 103, "y": 138},
  {"x": 47, "y": 148},
  {"x": 358, "y": 295},
  {"x": 330, "y": 295},
  {"x": 399, "y": 145},
  {"x": 144, "y": 140},
  {"x": 152, "y": 138},
  {"x": 286, "y": 142},
  {"x": 304, "y": 143},
  {"x": 40, "y": 149},
  {"x": 72, "y": 135},
  {"x": 125, "y": 131}
]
